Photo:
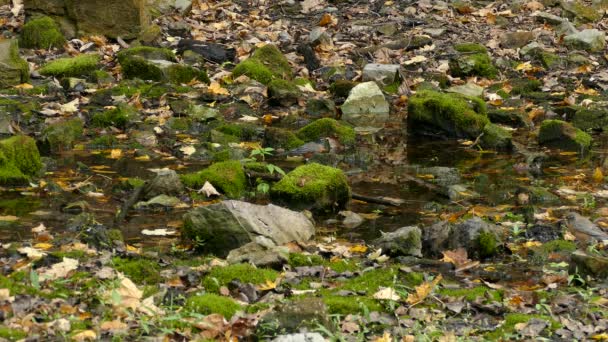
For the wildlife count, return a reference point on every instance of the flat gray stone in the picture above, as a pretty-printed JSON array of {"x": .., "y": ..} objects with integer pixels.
[
  {"x": 591, "y": 40},
  {"x": 366, "y": 108},
  {"x": 383, "y": 74}
]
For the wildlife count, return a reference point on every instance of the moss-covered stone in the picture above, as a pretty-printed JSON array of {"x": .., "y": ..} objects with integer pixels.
[
  {"x": 12, "y": 334},
  {"x": 245, "y": 273},
  {"x": 487, "y": 245},
  {"x": 61, "y": 136},
  {"x": 591, "y": 119},
  {"x": 211, "y": 303},
  {"x": 473, "y": 60},
  {"x": 341, "y": 88},
  {"x": 139, "y": 270},
  {"x": 41, "y": 33},
  {"x": 313, "y": 186},
  {"x": 513, "y": 118},
  {"x": 118, "y": 117},
  {"x": 512, "y": 319},
  {"x": 283, "y": 92},
  {"x": 19, "y": 160},
  {"x": 496, "y": 137},
  {"x": 327, "y": 127},
  {"x": 561, "y": 134},
  {"x": 13, "y": 69},
  {"x": 348, "y": 305},
  {"x": 522, "y": 86},
  {"x": 245, "y": 132},
  {"x": 266, "y": 64},
  {"x": 228, "y": 177},
  {"x": 83, "y": 65},
  {"x": 281, "y": 138},
  {"x": 457, "y": 115}
]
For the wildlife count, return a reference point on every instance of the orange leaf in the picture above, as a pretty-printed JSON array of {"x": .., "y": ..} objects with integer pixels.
[
  {"x": 598, "y": 176},
  {"x": 423, "y": 291},
  {"x": 326, "y": 19}
]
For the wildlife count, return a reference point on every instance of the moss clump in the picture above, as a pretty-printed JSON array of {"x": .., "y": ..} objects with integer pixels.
[
  {"x": 118, "y": 117},
  {"x": 41, "y": 33},
  {"x": 283, "y": 92},
  {"x": 61, "y": 136},
  {"x": 14, "y": 69},
  {"x": 266, "y": 64},
  {"x": 496, "y": 137},
  {"x": 487, "y": 245},
  {"x": 458, "y": 115},
  {"x": 82, "y": 65},
  {"x": 12, "y": 334},
  {"x": 561, "y": 134},
  {"x": 513, "y": 118},
  {"x": 19, "y": 160},
  {"x": 245, "y": 273},
  {"x": 227, "y": 177},
  {"x": 140, "y": 271},
  {"x": 178, "y": 73},
  {"x": 590, "y": 119},
  {"x": 472, "y": 61},
  {"x": 512, "y": 319},
  {"x": 523, "y": 86},
  {"x": 348, "y": 305},
  {"x": 341, "y": 88},
  {"x": 559, "y": 246},
  {"x": 211, "y": 303},
  {"x": 244, "y": 132},
  {"x": 472, "y": 293},
  {"x": 327, "y": 127},
  {"x": 298, "y": 260},
  {"x": 136, "y": 63},
  {"x": 281, "y": 138},
  {"x": 313, "y": 186},
  {"x": 104, "y": 141}
]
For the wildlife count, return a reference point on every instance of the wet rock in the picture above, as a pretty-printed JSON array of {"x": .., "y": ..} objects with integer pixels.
[
  {"x": 13, "y": 69},
  {"x": 586, "y": 264},
  {"x": 549, "y": 18},
  {"x": 472, "y": 60},
  {"x": 460, "y": 192},
  {"x": 434, "y": 32},
  {"x": 112, "y": 18},
  {"x": 92, "y": 232},
  {"x": 453, "y": 115},
  {"x": 351, "y": 219},
  {"x": 301, "y": 337},
  {"x": 212, "y": 52},
  {"x": 310, "y": 58},
  {"x": 166, "y": 182},
  {"x": 496, "y": 137},
  {"x": 566, "y": 28},
  {"x": 402, "y": 242},
  {"x": 228, "y": 225},
  {"x": 514, "y": 40},
  {"x": 182, "y": 7},
  {"x": 41, "y": 33},
  {"x": 283, "y": 92},
  {"x": 62, "y": 135},
  {"x": 442, "y": 176},
  {"x": 366, "y": 108},
  {"x": 469, "y": 89},
  {"x": 319, "y": 108},
  {"x": 301, "y": 314},
  {"x": 261, "y": 252},
  {"x": 562, "y": 135},
  {"x": 145, "y": 138},
  {"x": 382, "y": 74},
  {"x": 159, "y": 202},
  {"x": 155, "y": 64},
  {"x": 264, "y": 65},
  {"x": 313, "y": 186},
  {"x": 318, "y": 36},
  {"x": 591, "y": 40},
  {"x": 478, "y": 237}
]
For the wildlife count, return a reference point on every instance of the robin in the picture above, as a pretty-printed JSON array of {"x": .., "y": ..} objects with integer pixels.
[{"x": 584, "y": 230}]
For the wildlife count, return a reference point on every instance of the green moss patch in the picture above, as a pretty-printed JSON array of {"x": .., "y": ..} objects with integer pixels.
[
  {"x": 14, "y": 69},
  {"x": 471, "y": 294},
  {"x": 245, "y": 273},
  {"x": 561, "y": 134},
  {"x": 458, "y": 115},
  {"x": 266, "y": 63},
  {"x": 211, "y": 303},
  {"x": 140, "y": 271},
  {"x": 327, "y": 127},
  {"x": 41, "y": 33},
  {"x": 82, "y": 65},
  {"x": 472, "y": 61},
  {"x": 228, "y": 177},
  {"x": 61, "y": 136},
  {"x": 19, "y": 160},
  {"x": 118, "y": 117},
  {"x": 313, "y": 186},
  {"x": 349, "y": 305},
  {"x": 281, "y": 138}
]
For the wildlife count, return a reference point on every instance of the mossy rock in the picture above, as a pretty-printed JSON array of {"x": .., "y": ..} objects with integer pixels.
[
  {"x": 313, "y": 186},
  {"x": 244, "y": 132},
  {"x": 591, "y": 119},
  {"x": 348, "y": 305},
  {"x": 61, "y": 136},
  {"x": 244, "y": 273},
  {"x": 456, "y": 115},
  {"x": 118, "y": 117},
  {"x": 327, "y": 127},
  {"x": 473, "y": 60},
  {"x": 19, "y": 160},
  {"x": 281, "y": 138},
  {"x": 12, "y": 334},
  {"x": 266, "y": 64},
  {"x": 228, "y": 177},
  {"x": 83, "y": 65},
  {"x": 508, "y": 117},
  {"x": 283, "y": 92},
  {"x": 486, "y": 244},
  {"x": 13, "y": 69},
  {"x": 496, "y": 137},
  {"x": 562, "y": 135},
  {"x": 522, "y": 86},
  {"x": 139, "y": 270},
  {"x": 341, "y": 88},
  {"x": 41, "y": 33},
  {"x": 211, "y": 303}
]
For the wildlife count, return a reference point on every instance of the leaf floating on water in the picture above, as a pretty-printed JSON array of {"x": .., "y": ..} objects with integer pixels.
[{"x": 158, "y": 232}]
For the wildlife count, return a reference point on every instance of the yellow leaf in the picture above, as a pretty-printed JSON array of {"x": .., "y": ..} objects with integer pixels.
[
  {"x": 217, "y": 89},
  {"x": 385, "y": 338},
  {"x": 8, "y": 218},
  {"x": 43, "y": 246},
  {"x": 524, "y": 66},
  {"x": 116, "y": 153},
  {"x": 586, "y": 91},
  {"x": 358, "y": 249},
  {"x": 530, "y": 244},
  {"x": 423, "y": 291},
  {"x": 600, "y": 337},
  {"x": 133, "y": 249},
  {"x": 598, "y": 176},
  {"x": 269, "y": 285},
  {"x": 24, "y": 86},
  {"x": 87, "y": 335}
]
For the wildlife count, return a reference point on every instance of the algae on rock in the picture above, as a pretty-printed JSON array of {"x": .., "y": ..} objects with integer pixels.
[
  {"x": 313, "y": 186},
  {"x": 472, "y": 60}
]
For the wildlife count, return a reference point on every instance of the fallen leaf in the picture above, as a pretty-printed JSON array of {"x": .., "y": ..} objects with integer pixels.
[
  {"x": 216, "y": 88},
  {"x": 60, "y": 270},
  {"x": 387, "y": 293},
  {"x": 358, "y": 249},
  {"x": 158, "y": 232},
  {"x": 116, "y": 153},
  {"x": 208, "y": 190},
  {"x": 188, "y": 150},
  {"x": 423, "y": 291},
  {"x": 598, "y": 176}
]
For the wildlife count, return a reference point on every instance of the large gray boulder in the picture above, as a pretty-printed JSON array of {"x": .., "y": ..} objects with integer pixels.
[
  {"x": 366, "y": 108},
  {"x": 383, "y": 74},
  {"x": 13, "y": 69},
  {"x": 404, "y": 241},
  {"x": 228, "y": 225},
  {"x": 591, "y": 40},
  {"x": 479, "y": 238}
]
